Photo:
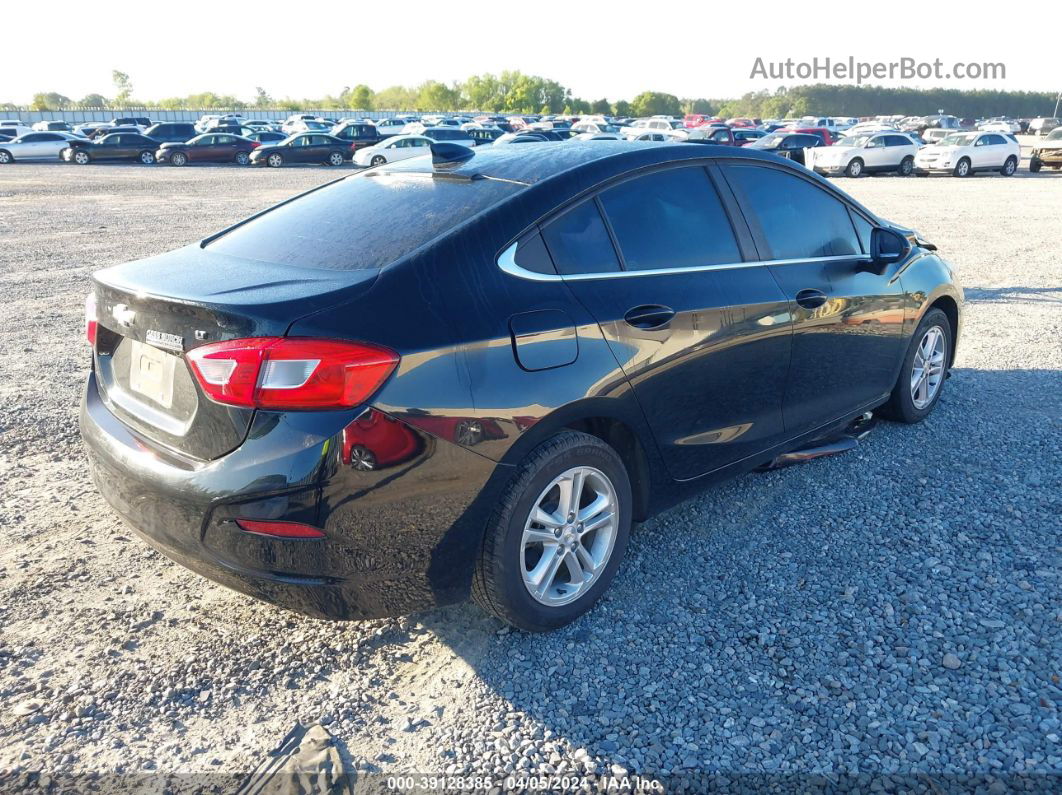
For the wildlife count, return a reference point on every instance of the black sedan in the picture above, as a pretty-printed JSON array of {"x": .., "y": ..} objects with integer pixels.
[
  {"x": 304, "y": 148},
  {"x": 789, "y": 145},
  {"x": 471, "y": 372},
  {"x": 116, "y": 146},
  {"x": 208, "y": 148}
]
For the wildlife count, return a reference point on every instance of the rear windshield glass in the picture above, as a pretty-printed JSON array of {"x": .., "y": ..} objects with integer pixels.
[{"x": 362, "y": 222}]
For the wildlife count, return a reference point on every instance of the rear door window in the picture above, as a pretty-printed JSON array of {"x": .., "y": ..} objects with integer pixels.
[
  {"x": 670, "y": 219},
  {"x": 578, "y": 242},
  {"x": 797, "y": 219}
]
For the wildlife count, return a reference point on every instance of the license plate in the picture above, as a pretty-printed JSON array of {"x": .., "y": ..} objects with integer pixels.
[{"x": 151, "y": 373}]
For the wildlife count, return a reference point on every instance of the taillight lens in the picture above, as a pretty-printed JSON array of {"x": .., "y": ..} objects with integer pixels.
[
  {"x": 278, "y": 529},
  {"x": 291, "y": 373},
  {"x": 90, "y": 319}
]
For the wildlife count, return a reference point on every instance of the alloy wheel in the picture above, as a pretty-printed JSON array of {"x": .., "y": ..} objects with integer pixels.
[
  {"x": 81, "y": 158},
  {"x": 5, "y": 157},
  {"x": 927, "y": 370},
  {"x": 275, "y": 160},
  {"x": 569, "y": 536},
  {"x": 336, "y": 159}
]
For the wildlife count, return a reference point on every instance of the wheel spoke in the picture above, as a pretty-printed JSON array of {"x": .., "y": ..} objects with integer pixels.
[
  {"x": 600, "y": 520},
  {"x": 535, "y": 536},
  {"x": 546, "y": 519},
  {"x": 545, "y": 571},
  {"x": 575, "y": 568},
  {"x": 601, "y": 503},
  {"x": 586, "y": 559}
]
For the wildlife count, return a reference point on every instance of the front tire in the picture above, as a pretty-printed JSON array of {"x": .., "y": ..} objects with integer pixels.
[
  {"x": 147, "y": 158},
  {"x": 854, "y": 168},
  {"x": 81, "y": 158},
  {"x": 1009, "y": 167},
  {"x": 1035, "y": 166},
  {"x": 906, "y": 166},
  {"x": 924, "y": 371},
  {"x": 962, "y": 168},
  {"x": 557, "y": 536},
  {"x": 379, "y": 160},
  {"x": 178, "y": 159},
  {"x": 335, "y": 159},
  {"x": 5, "y": 158},
  {"x": 275, "y": 160}
]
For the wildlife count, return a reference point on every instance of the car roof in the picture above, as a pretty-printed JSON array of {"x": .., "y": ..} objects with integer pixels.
[{"x": 536, "y": 163}]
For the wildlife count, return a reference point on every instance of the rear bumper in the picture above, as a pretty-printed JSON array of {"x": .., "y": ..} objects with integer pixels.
[{"x": 399, "y": 537}]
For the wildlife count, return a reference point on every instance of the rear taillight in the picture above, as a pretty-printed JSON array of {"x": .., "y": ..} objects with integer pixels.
[
  {"x": 90, "y": 319},
  {"x": 291, "y": 373},
  {"x": 279, "y": 529}
]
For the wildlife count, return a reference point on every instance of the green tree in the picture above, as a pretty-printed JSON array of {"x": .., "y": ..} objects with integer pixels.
[
  {"x": 49, "y": 100},
  {"x": 125, "y": 88},
  {"x": 93, "y": 101},
  {"x": 433, "y": 95},
  {"x": 262, "y": 98},
  {"x": 395, "y": 98},
  {"x": 656, "y": 103},
  {"x": 483, "y": 92},
  {"x": 360, "y": 97},
  {"x": 621, "y": 108},
  {"x": 600, "y": 106}
]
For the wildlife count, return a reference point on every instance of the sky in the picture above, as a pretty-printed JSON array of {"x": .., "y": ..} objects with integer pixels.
[{"x": 613, "y": 50}]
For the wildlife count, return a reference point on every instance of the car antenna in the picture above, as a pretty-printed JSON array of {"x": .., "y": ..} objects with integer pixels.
[{"x": 446, "y": 155}]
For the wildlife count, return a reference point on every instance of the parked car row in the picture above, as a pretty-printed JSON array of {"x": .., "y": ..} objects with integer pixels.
[{"x": 885, "y": 144}]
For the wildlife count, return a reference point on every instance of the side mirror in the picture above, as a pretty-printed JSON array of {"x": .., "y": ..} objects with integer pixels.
[{"x": 886, "y": 247}]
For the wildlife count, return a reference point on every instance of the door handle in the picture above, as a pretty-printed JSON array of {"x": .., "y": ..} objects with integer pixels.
[
  {"x": 811, "y": 299},
  {"x": 649, "y": 316}
]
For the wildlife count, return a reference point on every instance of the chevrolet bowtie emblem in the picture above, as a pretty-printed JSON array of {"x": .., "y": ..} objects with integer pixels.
[{"x": 123, "y": 315}]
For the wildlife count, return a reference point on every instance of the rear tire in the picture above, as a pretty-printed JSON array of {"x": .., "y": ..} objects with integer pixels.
[
  {"x": 906, "y": 166},
  {"x": 1009, "y": 167},
  {"x": 962, "y": 168},
  {"x": 147, "y": 158},
  {"x": 854, "y": 168},
  {"x": 520, "y": 553},
  {"x": 243, "y": 158},
  {"x": 903, "y": 406},
  {"x": 335, "y": 159}
]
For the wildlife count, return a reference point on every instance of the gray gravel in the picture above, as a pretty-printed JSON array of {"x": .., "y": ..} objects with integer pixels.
[{"x": 893, "y": 610}]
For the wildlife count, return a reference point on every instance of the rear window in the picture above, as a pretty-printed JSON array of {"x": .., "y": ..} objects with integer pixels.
[{"x": 362, "y": 222}]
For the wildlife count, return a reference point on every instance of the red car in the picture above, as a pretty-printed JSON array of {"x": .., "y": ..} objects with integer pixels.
[
  {"x": 374, "y": 441},
  {"x": 698, "y": 120},
  {"x": 208, "y": 148},
  {"x": 822, "y": 132}
]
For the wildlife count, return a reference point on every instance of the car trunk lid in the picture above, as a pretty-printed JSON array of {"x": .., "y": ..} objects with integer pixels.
[{"x": 150, "y": 312}]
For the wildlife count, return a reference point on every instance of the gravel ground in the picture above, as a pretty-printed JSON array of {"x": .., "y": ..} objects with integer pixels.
[{"x": 895, "y": 610}]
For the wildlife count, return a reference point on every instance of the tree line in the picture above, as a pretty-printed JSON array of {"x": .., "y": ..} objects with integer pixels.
[{"x": 515, "y": 92}]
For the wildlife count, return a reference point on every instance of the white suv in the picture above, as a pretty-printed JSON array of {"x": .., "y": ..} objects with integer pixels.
[
  {"x": 963, "y": 153},
  {"x": 855, "y": 155}
]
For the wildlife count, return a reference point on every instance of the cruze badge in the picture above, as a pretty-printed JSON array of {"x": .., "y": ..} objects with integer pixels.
[
  {"x": 160, "y": 339},
  {"x": 123, "y": 315}
]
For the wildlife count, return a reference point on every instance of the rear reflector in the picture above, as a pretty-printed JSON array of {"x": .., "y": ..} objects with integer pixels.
[
  {"x": 291, "y": 373},
  {"x": 279, "y": 529},
  {"x": 90, "y": 319}
]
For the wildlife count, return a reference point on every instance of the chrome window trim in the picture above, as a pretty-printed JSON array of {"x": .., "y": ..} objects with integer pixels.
[{"x": 507, "y": 263}]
